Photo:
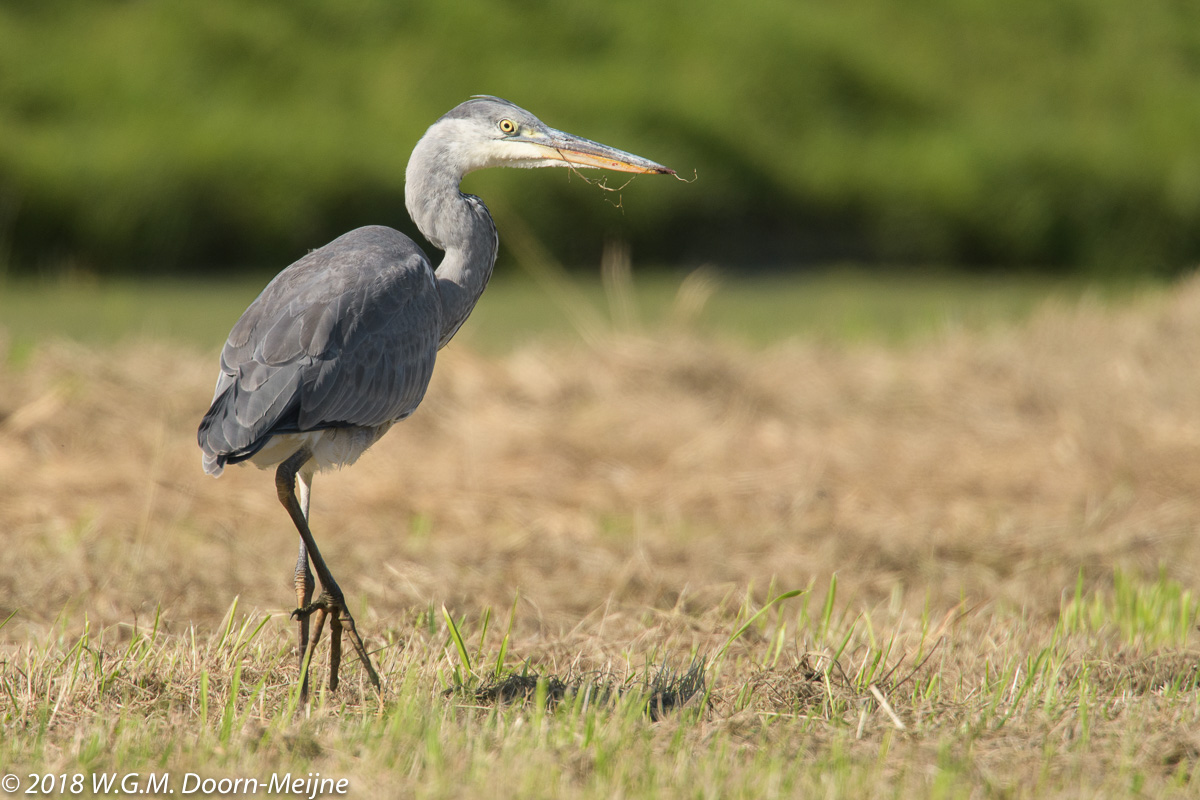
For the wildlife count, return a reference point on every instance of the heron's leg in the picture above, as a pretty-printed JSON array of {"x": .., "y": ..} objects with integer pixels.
[
  {"x": 335, "y": 650},
  {"x": 331, "y": 599},
  {"x": 304, "y": 583},
  {"x": 306, "y": 658}
]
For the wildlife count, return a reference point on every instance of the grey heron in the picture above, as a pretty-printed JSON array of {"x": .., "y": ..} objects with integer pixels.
[{"x": 340, "y": 346}]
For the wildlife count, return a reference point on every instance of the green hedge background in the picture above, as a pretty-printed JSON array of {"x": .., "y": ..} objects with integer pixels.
[{"x": 145, "y": 136}]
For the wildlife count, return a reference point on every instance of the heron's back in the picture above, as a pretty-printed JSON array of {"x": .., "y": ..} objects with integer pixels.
[{"x": 344, "y": 338}]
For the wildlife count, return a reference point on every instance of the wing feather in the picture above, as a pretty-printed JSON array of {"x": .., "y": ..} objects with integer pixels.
[{"x": 346, "y": 336}]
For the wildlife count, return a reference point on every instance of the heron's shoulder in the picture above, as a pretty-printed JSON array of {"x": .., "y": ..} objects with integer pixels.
[
  {"x": 371, "y": 246},
  {"x": 374, "y": 256},
  {"x": 371, "y": 273}
]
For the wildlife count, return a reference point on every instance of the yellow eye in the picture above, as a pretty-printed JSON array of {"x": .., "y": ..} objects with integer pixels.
[{"x": 508, "y": 126}]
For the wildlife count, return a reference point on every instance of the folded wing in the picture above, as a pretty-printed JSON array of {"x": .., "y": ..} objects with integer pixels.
[{"x": 346, "y": 336}]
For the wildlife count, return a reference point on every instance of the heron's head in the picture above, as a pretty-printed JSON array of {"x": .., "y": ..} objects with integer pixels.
[{"x": 490, "y": 132}]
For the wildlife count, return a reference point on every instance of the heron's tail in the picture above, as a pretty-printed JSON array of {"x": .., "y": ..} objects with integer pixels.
[
  {"x": 214, "y": 465},
  {"x": 225, "y": 439},
  {"x": 210, "y": 441}
]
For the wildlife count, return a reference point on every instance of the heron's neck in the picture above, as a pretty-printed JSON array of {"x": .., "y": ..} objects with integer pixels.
[{"x": 458, "y": 224}]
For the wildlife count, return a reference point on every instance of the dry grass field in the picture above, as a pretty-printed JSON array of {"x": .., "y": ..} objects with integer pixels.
[{"x": 998, "y": 533}]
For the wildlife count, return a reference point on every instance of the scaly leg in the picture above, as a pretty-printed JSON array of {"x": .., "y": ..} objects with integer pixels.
[
  {"x": 331, "y": 600},
  {"x": 304, "y": 583},
  {"x": 304, "y": 593},
  {"x": 335, "y": 650}
]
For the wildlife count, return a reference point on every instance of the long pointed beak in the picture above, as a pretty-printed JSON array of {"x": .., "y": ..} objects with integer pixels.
[{"x": 580, "y": 152}]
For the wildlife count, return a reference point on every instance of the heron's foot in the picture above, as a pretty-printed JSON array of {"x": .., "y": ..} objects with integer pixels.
[
  {"x": 332, "y": 606},
  {"x": 303, "y": 613}
]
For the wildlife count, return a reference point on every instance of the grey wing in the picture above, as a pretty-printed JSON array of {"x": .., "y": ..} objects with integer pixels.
[{"x": 347, "y": 336}]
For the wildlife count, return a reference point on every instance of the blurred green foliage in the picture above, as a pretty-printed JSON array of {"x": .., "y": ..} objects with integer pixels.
[{"x": 141, "y": 135}]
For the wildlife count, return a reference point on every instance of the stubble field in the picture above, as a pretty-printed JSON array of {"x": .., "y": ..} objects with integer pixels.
[{"x": 996, "y": 532}]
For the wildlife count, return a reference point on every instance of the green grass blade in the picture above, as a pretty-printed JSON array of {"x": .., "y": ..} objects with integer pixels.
[
  {"x": 459, "y": 645},
  {"x": 745, "y": 626}
]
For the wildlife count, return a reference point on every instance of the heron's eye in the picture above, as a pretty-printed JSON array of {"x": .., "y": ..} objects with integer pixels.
[{"x": 508, "y": 126}]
